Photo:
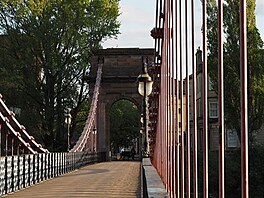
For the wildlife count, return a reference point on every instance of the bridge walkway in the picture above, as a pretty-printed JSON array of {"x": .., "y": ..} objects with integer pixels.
[{"x": 110, "y": 179}]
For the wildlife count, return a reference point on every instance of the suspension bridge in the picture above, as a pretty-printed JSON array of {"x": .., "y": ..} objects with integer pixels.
[{"x": 172, "y": 129}]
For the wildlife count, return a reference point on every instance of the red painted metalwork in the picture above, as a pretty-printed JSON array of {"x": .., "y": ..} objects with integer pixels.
[
  {"x": 194, "y": 109},
  {"x": 6, "y": 143},
  {"x": 187, "y": 121},
  {"x": 244, "y": 103},
  {"x": 221, "y": 102},
  {"x": 174, "y": 129},
  {"x": 15, "y": 132},
  {"x": 171, "y": 162},
  {"x": 182, "y": 168},
  {"x": 176, "y": 112},
  {"x": 205, "y": 109}
]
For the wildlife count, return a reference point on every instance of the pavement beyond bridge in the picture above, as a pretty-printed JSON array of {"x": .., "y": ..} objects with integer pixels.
[{"x": 109, "y": 179}]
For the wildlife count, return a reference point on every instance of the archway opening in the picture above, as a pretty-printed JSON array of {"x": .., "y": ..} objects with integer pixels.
[{"x": 124, "y": 127}]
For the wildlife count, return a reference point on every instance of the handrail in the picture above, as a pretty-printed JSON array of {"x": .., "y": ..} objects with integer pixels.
[
  {"x": 16, "y": 134},
  {"x": 18, "y": 130}
]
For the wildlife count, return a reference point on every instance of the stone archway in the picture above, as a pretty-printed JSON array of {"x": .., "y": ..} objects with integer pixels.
[
  {"x": 119, "y": 75},
  {"x": 125, "y": 126}
]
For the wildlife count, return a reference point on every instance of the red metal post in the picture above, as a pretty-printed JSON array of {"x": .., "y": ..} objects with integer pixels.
[
  {"x": 165, "y": 131},
  {"x": 166, "y": 99},
  {"x": 177, "y": 91},
  {"x": 173, "y": 131},
  {"x": 6, "y": 143},
  {"x": 163, "y": 104},
  {"x": 170, "y": 97},
  {"x": 221, "y": 102},
  {"x": 194, "y": 109},
  {"x": 205, "y": 113},
  {"x": 244, "y": 102},
  {"x": 181, "y": 102},
  {"x": 187, "y": 121},
  {"x": 12, "y": 146}
]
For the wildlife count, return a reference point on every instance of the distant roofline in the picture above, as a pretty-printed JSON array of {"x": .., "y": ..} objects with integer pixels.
[{"x": 124, "y": 51}]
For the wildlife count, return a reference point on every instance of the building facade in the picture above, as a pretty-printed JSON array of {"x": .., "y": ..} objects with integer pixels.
[{"x": 231, "y": 138}]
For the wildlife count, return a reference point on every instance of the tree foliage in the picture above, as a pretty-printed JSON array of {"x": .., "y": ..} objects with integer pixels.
[
  {"x": 45, "y": 53},
  {"x": 232, "y": 63},
  {"x": 233, "y": 173},
  {"x": 124, "y": 124}
]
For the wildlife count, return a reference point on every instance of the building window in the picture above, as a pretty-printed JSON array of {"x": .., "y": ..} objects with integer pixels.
[
  {"x": 199, "y": 84},
  {"x": 199, "y": 107},
  {"x": 232, "y": 139},
  {"x": 210, "y": 84},
  {"x": 213, "y": 110},
  {"x": 16, "y": 111}
]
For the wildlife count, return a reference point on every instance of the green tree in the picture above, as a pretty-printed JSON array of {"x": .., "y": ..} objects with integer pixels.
[
  {"x": 124, "y": 124},
  {"x": 232, "y": 63},
  {"x": 47, "y": 48},
  {"x": 232, "y": 90}
]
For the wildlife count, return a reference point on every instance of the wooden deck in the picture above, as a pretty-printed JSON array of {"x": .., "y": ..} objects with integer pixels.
[{"x": 110, "y": 179}]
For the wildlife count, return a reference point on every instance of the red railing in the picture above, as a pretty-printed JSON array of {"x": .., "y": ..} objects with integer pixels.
[
  {"x": 173, "y": 111},
  {"x": 14, "y": 136}
]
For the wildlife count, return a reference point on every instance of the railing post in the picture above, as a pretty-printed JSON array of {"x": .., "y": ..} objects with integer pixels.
[
  {"x": 70, "y": 162},
  {"x": 29, "y": 170},
  {"x": 21, "y": 171},
  {"x": 59, "y": 164},
  {"x": 45, "y": 163},
  {"x": 9, "y": 174},
  {"x": 64, "y": 163},
  {"x": 57, "y": 159},
  {"x": 40, "y": 164},
  {"x": 12, "y": 169},
  {"x": 33, "y": 168},
  {"x": 2, "y": 175},
  {"x": 5, "y": 176},
  {"x": 15, "y": 173},
  {"x": 36, "y": 168},
  {"x": 73, "y": 161},
  {"x": 18, "y": 172},
  {"x": 50, "y": 165},
  {"x": 54, "y": 164},
  {"x": 42, "y": 177}
]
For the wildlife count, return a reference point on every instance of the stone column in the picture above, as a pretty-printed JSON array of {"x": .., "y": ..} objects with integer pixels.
[{"x": 101, "y": 130}]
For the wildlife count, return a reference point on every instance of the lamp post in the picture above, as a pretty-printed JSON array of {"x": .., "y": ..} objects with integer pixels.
[
  {"x": 94, "y": 133},
  {"x": 144, "y": 88},
  {"x": 68, "y": 122}
]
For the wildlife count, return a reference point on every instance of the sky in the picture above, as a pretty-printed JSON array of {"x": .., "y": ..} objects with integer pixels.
[{"x": 138, "y": 18}]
